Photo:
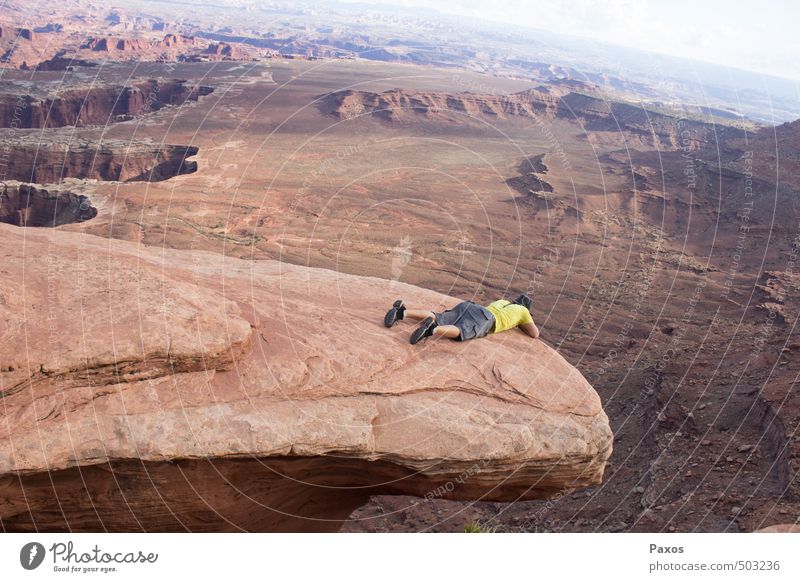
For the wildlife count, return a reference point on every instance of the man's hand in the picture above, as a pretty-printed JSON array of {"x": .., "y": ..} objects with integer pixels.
[{"x": 530, "y": 329}]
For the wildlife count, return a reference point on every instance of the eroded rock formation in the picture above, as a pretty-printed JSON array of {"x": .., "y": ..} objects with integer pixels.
[
  {"x": 593, "y": 113},
  {"x": 397, "y": 103},
  {"x": 21, "y": 45},
  {"x": 222, "y": 394},
  {"x": 223, "y": 51},
  {"x": 51, "y": 163},
  {"x": 95, "y": 105},
  {"x": 137, "y": 45},
  {"x": 530, "y": 180},
  {"x": 27, "y": 205}
]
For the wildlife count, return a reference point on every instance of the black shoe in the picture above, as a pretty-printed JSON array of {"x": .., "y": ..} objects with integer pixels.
[
  {"x": 424, "y": 330},
  {"x": 395, "y": 313}
]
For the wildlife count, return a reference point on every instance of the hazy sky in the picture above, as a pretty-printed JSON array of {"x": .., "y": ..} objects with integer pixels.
[{"x": 761, "y": 36}]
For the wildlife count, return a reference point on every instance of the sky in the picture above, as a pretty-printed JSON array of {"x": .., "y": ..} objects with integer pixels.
[{"x": 761, "y": 36}]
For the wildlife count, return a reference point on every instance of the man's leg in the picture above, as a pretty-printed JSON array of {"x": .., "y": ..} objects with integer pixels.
[
  {"x": 448, "y": 331},
  {"x": 399, "y": 311},
  {"x": 418, "y": 314},
  {"x": 429, "y": 328}
]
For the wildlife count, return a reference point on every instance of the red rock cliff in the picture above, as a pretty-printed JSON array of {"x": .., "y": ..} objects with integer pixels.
[
  {"x": 95, "y": 106},
  {"x": 163, "y": 390}
]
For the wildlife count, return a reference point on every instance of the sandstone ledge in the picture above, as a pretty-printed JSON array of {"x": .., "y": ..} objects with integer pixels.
[{"x": 152, "y": 389}]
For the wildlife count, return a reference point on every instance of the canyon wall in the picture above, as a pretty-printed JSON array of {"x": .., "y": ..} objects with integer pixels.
[
  {"x": 27, "y": 205},
  {"x": 95, "y": 105},
  {"x": 112, "y": 161},
  {"x": 592, "y": 113}
]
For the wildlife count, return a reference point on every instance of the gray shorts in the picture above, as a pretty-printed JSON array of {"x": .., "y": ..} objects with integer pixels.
[{"x": 471, "y": 319}]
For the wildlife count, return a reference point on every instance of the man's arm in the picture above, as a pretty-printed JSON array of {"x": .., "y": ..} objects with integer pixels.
[{"x": 530, "y": 329}]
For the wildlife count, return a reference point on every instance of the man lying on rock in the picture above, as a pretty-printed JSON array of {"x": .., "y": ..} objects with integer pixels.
[{"x": 467, "y": 320}]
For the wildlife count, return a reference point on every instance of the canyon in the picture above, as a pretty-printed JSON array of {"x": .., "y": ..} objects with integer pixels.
[
  {"x": 192, "y": 333},
  {"x": 93, "y": 105},
  {"x": 89, "y": 160},
  {"x": 26, "y": 205}
]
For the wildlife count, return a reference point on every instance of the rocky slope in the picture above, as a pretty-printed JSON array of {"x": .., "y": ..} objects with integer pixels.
[
  {"x": 221, "y": 394},
  {"x": 94, "y": 105}
]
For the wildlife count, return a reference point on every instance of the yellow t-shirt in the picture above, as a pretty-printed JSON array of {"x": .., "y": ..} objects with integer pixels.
[{"x": 508, "y": 315}]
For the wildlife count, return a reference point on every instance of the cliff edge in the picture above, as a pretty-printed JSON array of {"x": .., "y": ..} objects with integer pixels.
[{"x": 163, "y": 390}]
